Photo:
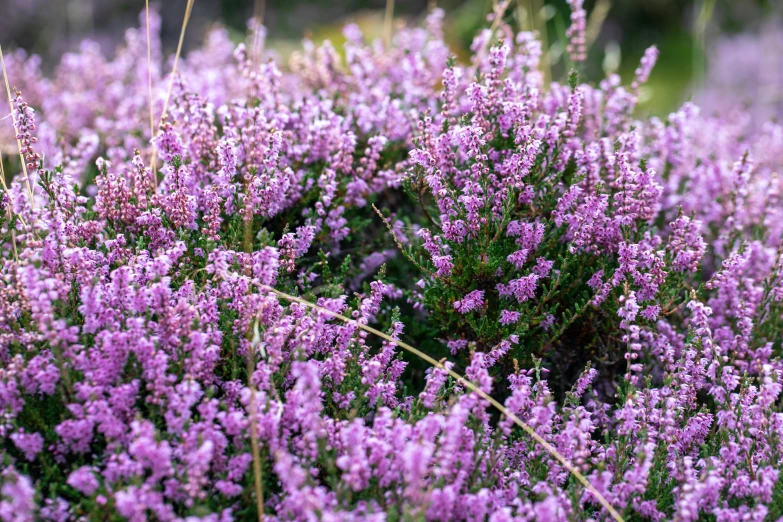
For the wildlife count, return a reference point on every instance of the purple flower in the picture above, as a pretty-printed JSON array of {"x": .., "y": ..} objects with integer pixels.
[
  {"x": 83, "y": 480},
  {"x": 472, "y": 301},
  {"x": 577, "y": 45},
  {"x": 509, "y": 317},
  {"x": 30, "y": 444}
]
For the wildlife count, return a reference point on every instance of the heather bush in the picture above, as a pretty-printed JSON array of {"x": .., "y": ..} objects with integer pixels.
[{"x": 190, "y": 317}]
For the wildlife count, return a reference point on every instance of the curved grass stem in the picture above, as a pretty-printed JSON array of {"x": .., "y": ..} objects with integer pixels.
[
  {"x": 163, "y": 115},
  {"x": 149, "y": 81}
]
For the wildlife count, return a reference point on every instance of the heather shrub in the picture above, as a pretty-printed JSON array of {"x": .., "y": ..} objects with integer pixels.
[{"x": 214, "y": 318}]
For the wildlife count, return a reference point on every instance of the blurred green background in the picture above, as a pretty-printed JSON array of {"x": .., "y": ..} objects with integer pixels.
[{"x": 685, "y": 31}]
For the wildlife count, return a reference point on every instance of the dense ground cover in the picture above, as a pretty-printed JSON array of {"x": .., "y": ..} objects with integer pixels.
[{"x": 613, "y": 281}]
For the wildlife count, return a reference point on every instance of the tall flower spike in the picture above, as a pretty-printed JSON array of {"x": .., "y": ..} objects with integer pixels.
[
  {"x": 645, "y": 67},
  {"x": 24, "y": 122},
  {"x": 576, "y": 33},
  {"x": 19, "y": 143}
]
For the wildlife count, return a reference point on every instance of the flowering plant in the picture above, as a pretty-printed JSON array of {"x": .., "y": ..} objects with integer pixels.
[{"x": 211, "y": 321}]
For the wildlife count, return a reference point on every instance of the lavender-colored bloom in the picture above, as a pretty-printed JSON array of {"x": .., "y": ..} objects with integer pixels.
[
  {"x": 472, "y": 301},
  {"x": 577, "y": 42},
  {"x": 30, "y": 444},
  {"x": 83, "y": 480},
  {"x": 24, "y": 122},
  {"x": 646, "y": 65},
  {"x": 508, "y": 317}
]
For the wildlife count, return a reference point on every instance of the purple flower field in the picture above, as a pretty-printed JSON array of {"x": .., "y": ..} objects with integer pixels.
[{"x": 377, "y": 282}]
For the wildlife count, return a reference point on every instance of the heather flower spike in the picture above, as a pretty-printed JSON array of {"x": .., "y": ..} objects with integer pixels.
[{"x": 24, "y": 124}]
